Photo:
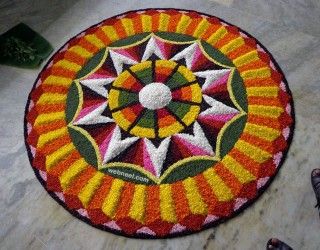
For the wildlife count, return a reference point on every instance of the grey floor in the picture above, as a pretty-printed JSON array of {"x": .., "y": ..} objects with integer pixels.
[{"x": 290, "y": 29}]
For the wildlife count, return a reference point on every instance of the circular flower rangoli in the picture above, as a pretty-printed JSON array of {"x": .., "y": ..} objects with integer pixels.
[{"x": 158, "y": 123}]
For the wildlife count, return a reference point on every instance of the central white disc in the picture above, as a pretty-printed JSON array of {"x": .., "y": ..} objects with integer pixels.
[{"x": 155, "y": 95}]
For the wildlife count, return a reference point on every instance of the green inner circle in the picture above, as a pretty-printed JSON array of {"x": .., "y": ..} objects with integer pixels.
[{"x": 146, "y": 76}]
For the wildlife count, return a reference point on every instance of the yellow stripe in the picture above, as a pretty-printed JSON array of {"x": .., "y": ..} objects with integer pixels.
[
  {"x": 189, "y": 76},
  {"x": 128, "y": 26},
  {"x": 232, "y": 45},
  {"x": 246, "y": 58},
  {"x": 263, "y": 91},
  {"x": 46, "y": 118},
  {"x": 160, "y": 63},
  {"x": 58, "y": 80},
  {"x": 243, "y": 175},
  {"x": 269, "y": 111},
  {"x": 167, "y": 209},
  {"x": 112, "y": 200},
  {"x": 113, "y": 100},
  {"x": 146, "y": 23},
  {"x": 89, "y": 189},
  {"x": 137, "y": 209},
  {"x": 256, "y": 73},
  {"x": 196, "y": 93},
  {"x": 68, "y": 65},
  {"x": 95, "y": 41},
  {"x": 56, "y": 156},
  {"x": 45, "y": 138},
  {"x": 163, "y": 22},
  {"x": 196, "y": 204},
  {"x": 110, "y": 32},
  {"x": 191, "y": 115},
  {"x": 217, "y": 35},
  {"x": 123, "y": 77},
  {"x": 121, "y": 119},
  {"x": 47, "y": 98},
  {"x": 263, "y": 132},
  {"x": 142, "y": 132},
  {"x": 219, "y": 188},
  {"x": 183, "y": 24},
  {"x": 75, "y": 169},
  {"x": 81, "y": 51},
  {"x": 138, "y": 67},
  {"x": 167, "y": 131},
  {"x": 253, "y": 152},
  {"x": 201, "y": 28}
]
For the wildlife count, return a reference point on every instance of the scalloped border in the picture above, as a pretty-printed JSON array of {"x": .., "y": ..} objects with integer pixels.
[{"x": 79, "y": 214}]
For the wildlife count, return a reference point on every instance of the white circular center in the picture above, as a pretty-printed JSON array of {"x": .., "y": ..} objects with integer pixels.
[{"x": 155, "y": 95}]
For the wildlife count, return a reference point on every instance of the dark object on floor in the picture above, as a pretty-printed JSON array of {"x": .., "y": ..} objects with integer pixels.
[
  {"x": 315, "y": 181},
  {"x": 23, "y": 47},
  {"x": 277, "y": 244}
]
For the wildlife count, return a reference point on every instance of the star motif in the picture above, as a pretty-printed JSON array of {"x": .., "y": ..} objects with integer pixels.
[
  {"x": 155, "y": 155},
  {"x": 117, "y": 145}
]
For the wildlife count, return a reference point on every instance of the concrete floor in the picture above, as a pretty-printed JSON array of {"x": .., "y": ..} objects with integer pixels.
[{"x": 30, "y": 219}]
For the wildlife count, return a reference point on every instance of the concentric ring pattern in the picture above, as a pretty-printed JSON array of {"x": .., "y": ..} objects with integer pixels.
[{"x": 158, "y": 123}]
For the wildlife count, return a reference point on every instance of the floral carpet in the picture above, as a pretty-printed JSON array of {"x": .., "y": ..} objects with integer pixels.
[{"x": 158, "y": 123}]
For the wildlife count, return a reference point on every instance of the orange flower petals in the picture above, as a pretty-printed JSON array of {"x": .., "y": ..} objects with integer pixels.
[{"x": 132, "y": 191}]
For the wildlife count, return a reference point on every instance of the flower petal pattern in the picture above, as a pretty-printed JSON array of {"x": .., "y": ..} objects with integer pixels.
[{"x": 158, "y": 123}]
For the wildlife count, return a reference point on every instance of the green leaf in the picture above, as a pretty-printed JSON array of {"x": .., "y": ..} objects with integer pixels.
[
  {"x": 129, "y": 40},
  {"x": 216, "y": 54},
  {"x": 72, "y": 102},
  {"x": 23, "y": 47},
  {"x": 188, "y": 169},
  {"x": 91, "y": 64},
  {"x": 170, "y": 36},
  {"x": 84, "y": 146},
  {"x": 231, "y": 135},
  {"x": 239, "y": 90},
  {"x": 128, "y": 174}
]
